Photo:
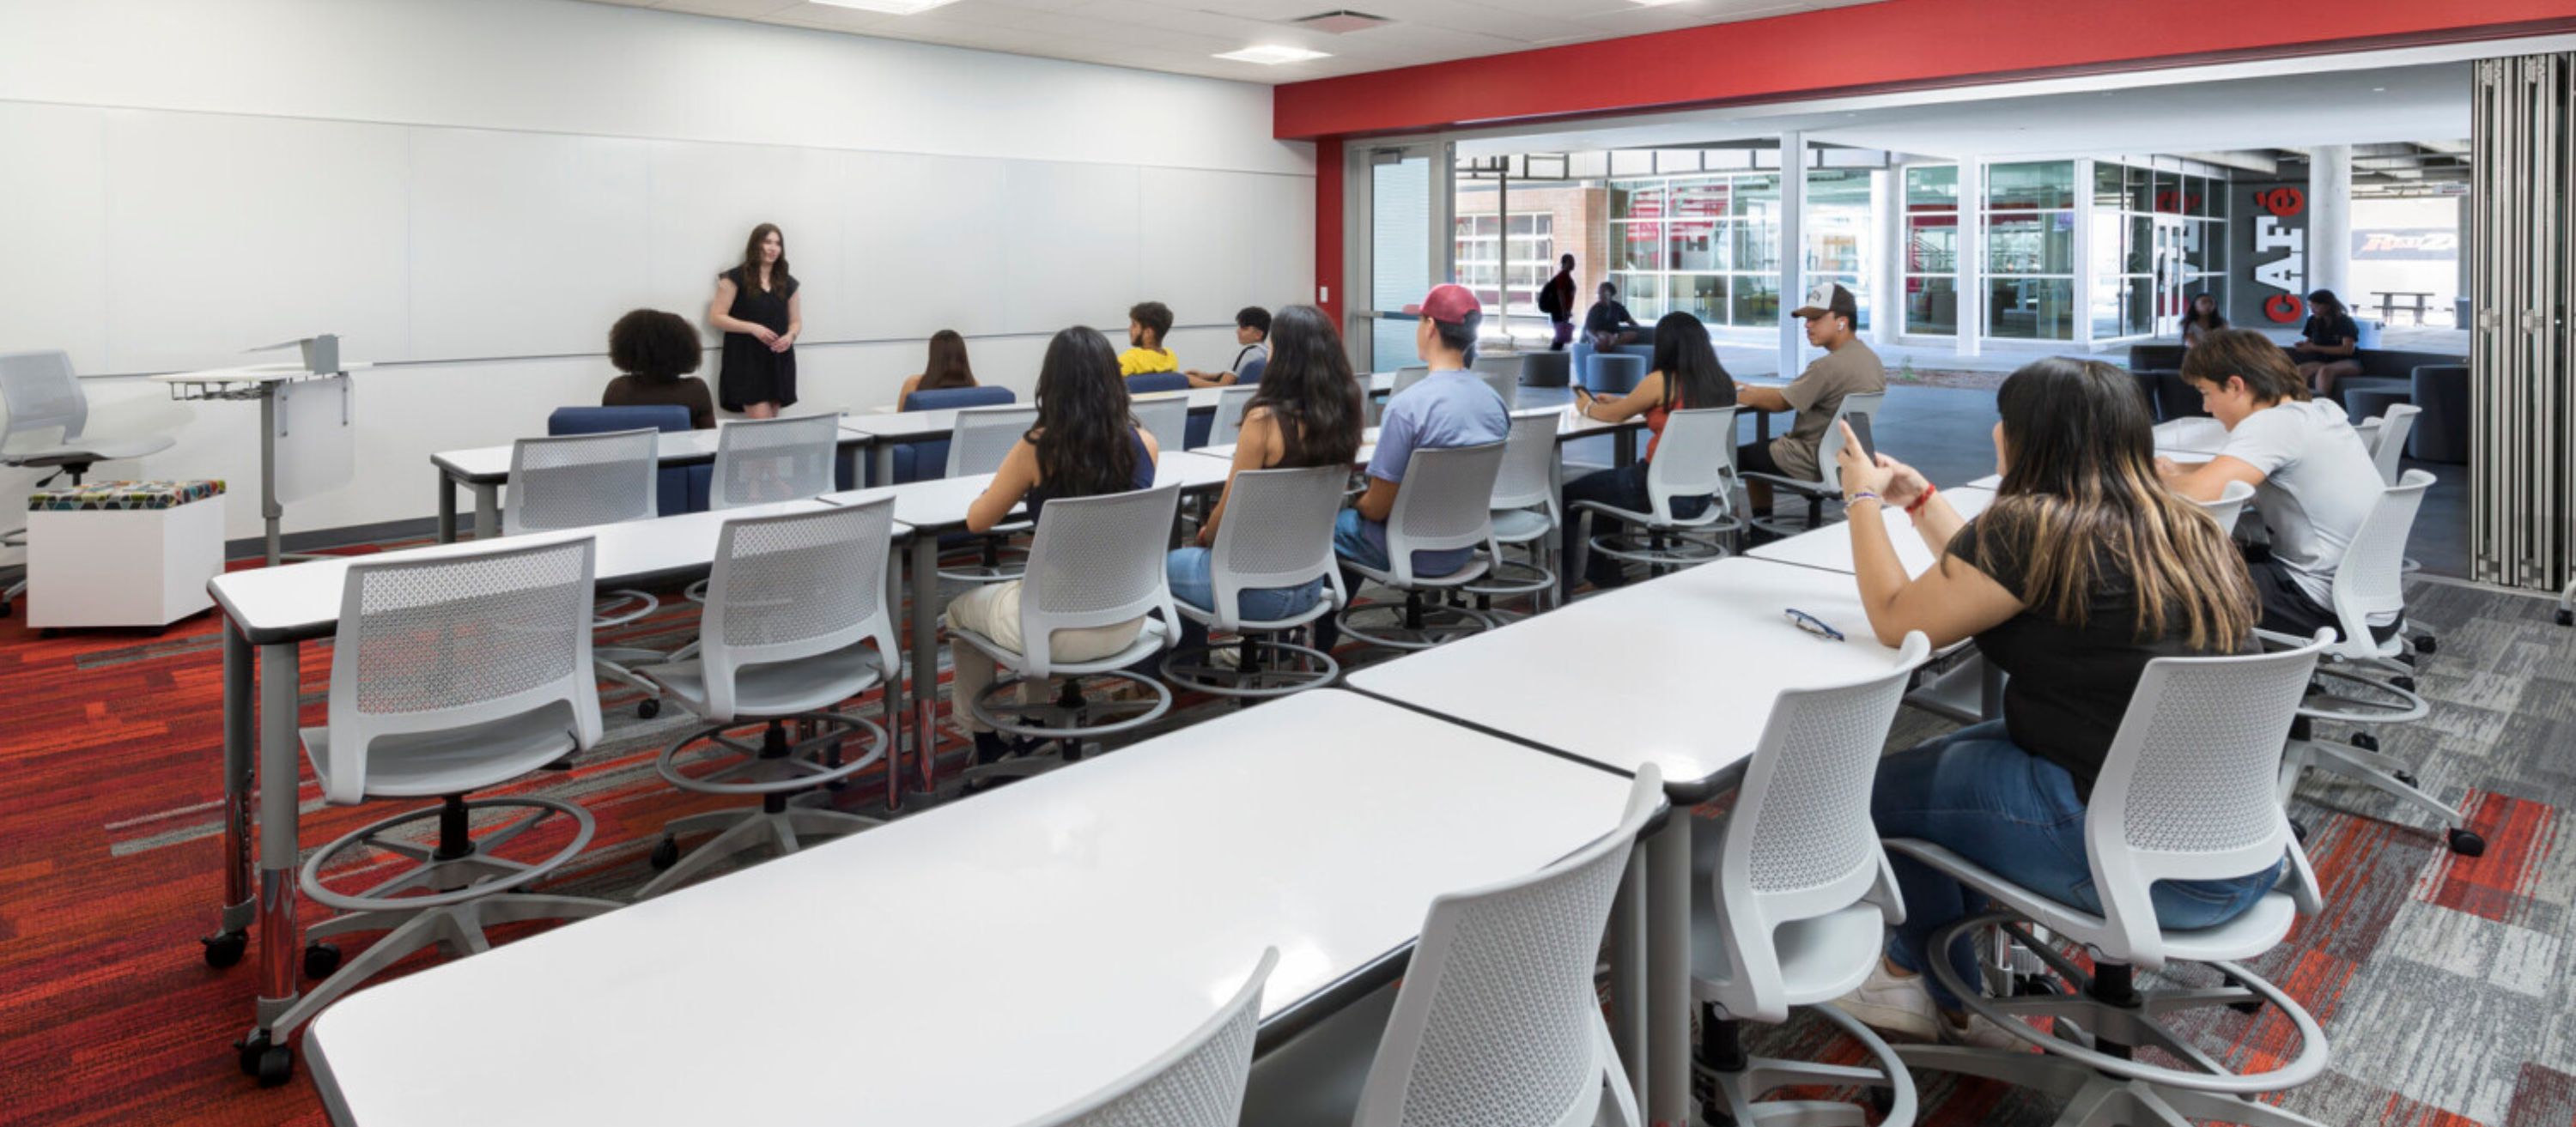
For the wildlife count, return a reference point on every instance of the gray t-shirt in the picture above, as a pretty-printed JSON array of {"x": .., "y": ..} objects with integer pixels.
[
  {"x": 1257, "y": 350},
  {"x": 2318, "y": 485},
  {"x": 1817, "y": 393}
]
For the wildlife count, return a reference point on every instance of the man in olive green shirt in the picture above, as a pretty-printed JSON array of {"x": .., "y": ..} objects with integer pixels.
[{"x": 1847, "y": 368}]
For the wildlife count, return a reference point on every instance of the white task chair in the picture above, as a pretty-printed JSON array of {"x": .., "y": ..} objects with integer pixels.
[
  {"x": 2365, "y": 683},
  {"x": 449, "y": 675},
  {"x": 796, "y": 623},
  {"x": 765, "y": 461},
  {"x": 1197, "y": 1083},
  {"x": 1096, "y": 561},
  {"x": 1696, "y": 458},
  {"x": 42, "y": 394},
  {"x": 1497, "y": 1021},
  {"x": 1407, "y": 376},
  {"x": 1167, "y": 418},
  {"x": 1227, "y": 426},
  {"x": 1278, "y": 532},
  {"x": 2230, "y": 505},
  {"x": 1795, "y": 907},
  {"x": 2385, "y": 437},
  {"x": 2183, "y": 795},
  {"x": 982, "y": 439},
  {"x": 583, "y": 481},
  {"x": 1861, "y": 411},
  {"x": 1525, "y": 513},
  {"x": 1503, "y": 374},
  {"x": 1444, "y": 502}
]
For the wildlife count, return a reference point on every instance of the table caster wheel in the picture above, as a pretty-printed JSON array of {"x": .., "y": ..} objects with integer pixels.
[
  {"x": 226, "y": 949},
  {"x": 2408, "y": 778},
  {"x": 665, "y": 854},
  {"x": 2467, "y": 844},
  {"x": 261, "y": 1057},
  {"x": 2365, "y": 741},
  {"x": 320, "y": 959},
  {"x": 647, "y": 708}
]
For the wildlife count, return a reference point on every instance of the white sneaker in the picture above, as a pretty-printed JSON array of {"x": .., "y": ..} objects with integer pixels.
[{"x": 1893, "y": 1005}]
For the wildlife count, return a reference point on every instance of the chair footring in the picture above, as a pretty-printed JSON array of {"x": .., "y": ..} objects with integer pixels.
[
  {"x": 2138, "y": 1024},
  {"x": 1512, "y": 577},
  {"x": 1411, "y": 626},
  {"x": 776, "y": 764},
  {"x": 747, "y": 829},
  {"x": 1264, "y": 667},
  {"x": 430, "y": 881},
  {"x": 1057, "y": 718},
  {"x": 1733, "y": 1092},
  {"x": 1670, "y": 549}
]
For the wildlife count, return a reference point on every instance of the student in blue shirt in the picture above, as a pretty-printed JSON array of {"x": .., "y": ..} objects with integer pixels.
[{"x": 1450, "y": 407}]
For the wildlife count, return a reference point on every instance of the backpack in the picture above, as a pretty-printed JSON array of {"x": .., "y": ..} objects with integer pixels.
[{"x": 1548, "y": 302}]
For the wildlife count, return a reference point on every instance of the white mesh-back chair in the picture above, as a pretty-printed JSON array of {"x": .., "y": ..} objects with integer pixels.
[
  {"x": 2387, "y": 441},
  {"x": 765, "y": 461},
  {"x": 1165, "y": 417},
  {"x": 1278, "y": 532},
  {"x": 42, "y": 395},
  {"x": 2366, "y": 683},
  {"x": 1231, "y": 402},
  {"x": 449, "y": 675},
  {"x": 1407, "y": 376},
  {"x": 583, "y": 481},
  {"x": 1861, "y": 410},
  {"x": 1525, "y": 514},
  {"x": 1696, "y": 458},
  {"x": 1503, "y": 374},
  {"x": 1797, "y": 905},
  {"x": 1197, "y": 1083},
  {"x": 1096, "y": 561},
  {"x": 2230, "y": 505},
  {"x": 982, "y": 439},
  {"x": 2183, "y": 795},
  {"x": 796, "y": 623},
  {"x": 1497, "y": 1022},
  {"x": 1445, "y": 502}
]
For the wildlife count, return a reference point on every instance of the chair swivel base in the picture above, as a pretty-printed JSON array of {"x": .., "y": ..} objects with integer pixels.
[
  {"x": 1412, "y": 624},
  {"x": 995, "y": 562},
  {"x": 1728, "y": 1081},
  {"x": 775, "y": 825},
  {"x": 2386, "y": 775},
  {"x": 1511, "y": 579},
  {"x": 2086, "y": 1060},
  {"x": 776, "y": 770},
  {"x": 1072, "y": 713},
  {"x": 1264, "y": 667}
]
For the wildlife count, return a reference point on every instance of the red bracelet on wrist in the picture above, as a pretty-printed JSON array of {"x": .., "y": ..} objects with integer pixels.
[{"x": 1928, "y": 490}]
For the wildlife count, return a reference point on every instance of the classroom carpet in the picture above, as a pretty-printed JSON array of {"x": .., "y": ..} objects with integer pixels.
[{"x": 2440, "y": 980}]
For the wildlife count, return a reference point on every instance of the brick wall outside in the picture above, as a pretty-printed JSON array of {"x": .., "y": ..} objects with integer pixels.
[{"x": 1580, "y": 225}]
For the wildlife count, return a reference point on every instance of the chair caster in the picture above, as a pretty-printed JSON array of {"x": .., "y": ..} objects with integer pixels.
[
  {"x": 272, "y": 1063},
  {"x": 2426, "y": 644},
  {"x": 648, "y": 708},
  {"x": 2408, "y": 778},
  {"x": 2248, "y": 1007},
  {"x": 2467, "y": 844},
  {"x": 666, "y": 853},
  {"x": 320, "y": 959},
  {"x": 2365, "y": 741},
  {"x": 2299, "y": 830},
  {"x": 2404, "y": 684},
  {"x": 225, "y": 949},
  {"x": 2567, "y": 618}
]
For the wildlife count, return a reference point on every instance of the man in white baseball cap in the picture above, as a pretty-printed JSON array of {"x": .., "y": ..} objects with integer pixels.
[{"x": 1848, "y": 367}]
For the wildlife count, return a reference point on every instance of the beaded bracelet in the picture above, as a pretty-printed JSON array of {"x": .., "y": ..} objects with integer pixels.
[{"x": 1929, "y": 490}]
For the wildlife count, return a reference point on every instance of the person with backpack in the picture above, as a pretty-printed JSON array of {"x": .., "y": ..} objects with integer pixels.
[{"x": 1556, "y": 299}]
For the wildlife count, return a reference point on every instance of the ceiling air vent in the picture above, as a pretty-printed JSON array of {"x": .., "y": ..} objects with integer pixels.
[{"x": 1339, "y": 22}]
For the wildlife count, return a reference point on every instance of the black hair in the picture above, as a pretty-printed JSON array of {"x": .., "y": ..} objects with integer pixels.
[
  {"x": 1693, "y": 377},
  {"x": 654, "y": 345},
  {"x": 2191, "y": 312},
  {"x": 1610, "y": 287},
  {"x": 1253, "y": 317},
  {"x": 2334, "y": 305},
  {"x": 1566, "y": 261},
  {"x": 1310, "y": 391},
  {"x": 1085, "y": 434},
  {"x": 1155, "y": 316},
  {"x": 1459, "y": 338}
]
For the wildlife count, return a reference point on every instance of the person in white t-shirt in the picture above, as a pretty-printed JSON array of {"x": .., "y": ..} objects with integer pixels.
[{"x": 2313, "y": 480}]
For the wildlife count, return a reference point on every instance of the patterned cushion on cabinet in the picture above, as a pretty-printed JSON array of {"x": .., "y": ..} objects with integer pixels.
[{"x": 122, "y": 495}]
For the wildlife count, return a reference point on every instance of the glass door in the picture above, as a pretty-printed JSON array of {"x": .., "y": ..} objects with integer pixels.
[
  {"x": 2172, "y": 272},
  {"x": 1408, "y": 215}
]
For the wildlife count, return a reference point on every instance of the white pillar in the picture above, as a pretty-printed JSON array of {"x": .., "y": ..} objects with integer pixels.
[
  {"x": 2083, "y": 251},
  {"x": 2330, "y": 221},
  {"x": 1793, "y": 251},
  {"x": 1887, "y": 251},
  {"x": 1972, "y": 256}
]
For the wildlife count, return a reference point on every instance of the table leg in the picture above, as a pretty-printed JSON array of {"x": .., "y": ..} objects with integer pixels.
[
  {"x": 240, "y": 903},
  {"x": 1628, "y": 969},
  {"x": 487, "y": 510},
  {"x": 1623, "y": 448},
  {"x": 279, "y": 944},
  {"x": 1668, "y": 970},
  {"x": 446, "y": 508},
  {"x": 892, "y": 699},
  {"x": 880, "y": 464},
  {"x": 269, "y": 508},
  {"x": 923, "y": 571}
]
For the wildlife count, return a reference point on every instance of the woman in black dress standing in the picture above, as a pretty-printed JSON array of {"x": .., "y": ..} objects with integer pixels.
[{"x": 757, "y": 309}]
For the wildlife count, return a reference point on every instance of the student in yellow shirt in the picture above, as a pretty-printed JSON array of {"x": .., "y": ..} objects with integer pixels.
[{"x": 1147, "y": 322}]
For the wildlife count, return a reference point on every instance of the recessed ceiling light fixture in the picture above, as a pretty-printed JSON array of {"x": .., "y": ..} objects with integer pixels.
[
  {"x": 1274, "y": 55},
  {"x": 1653, "y": 3},
  {"x": 889, "y": 7}
]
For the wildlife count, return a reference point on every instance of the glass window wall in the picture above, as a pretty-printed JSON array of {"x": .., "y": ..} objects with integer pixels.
[{"x": 1930, "y": 266}]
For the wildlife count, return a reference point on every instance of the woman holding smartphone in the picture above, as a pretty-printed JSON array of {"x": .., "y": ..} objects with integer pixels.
[
  {"x": 1686, "y": 374},
  {"x": 757, "y": 309}
]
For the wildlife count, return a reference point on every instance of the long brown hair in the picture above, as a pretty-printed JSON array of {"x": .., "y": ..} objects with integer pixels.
[
  {"x": 1085, "y": 435},
  {"x": 751, "y": 260},
  {"x": 947, "y": 367},
  {"x": 1309, "y": 391},
  {"x": 2081, "y": 508}
]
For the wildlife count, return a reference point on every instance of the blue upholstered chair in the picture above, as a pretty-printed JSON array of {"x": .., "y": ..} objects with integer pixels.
[
  {"x": 1152, "y": 382},
  {"x": 918, "y": 461},
  {"x": 683, "y": 488},
  {"x": 1252, "y": 371}
]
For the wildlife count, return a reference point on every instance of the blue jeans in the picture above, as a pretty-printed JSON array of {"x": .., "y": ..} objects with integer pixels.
[
  {"x": 1980, "y": 795},
  {"x": 1189, "y": 571},
  {"x": 1624, "y": 487}
]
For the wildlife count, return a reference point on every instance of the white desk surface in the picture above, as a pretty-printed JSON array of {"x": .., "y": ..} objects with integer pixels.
[
  {"x": 492, "y": 463},
  {"x": 940, "y": 504},
  {"x": 1830, "y": 547},
  {"x": 1678, "y": 671},
  {"x": 1224, "y": 451},
  {"x": 1075, "y": 925},
  {"x": 304, "y": 598},
  {"x": 1194, "y": 469},
  {"x": 258, "y": 373},
  {"x": 2190, "y": 436}
]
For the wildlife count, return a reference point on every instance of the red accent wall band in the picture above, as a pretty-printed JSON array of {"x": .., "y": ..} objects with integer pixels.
[{"x": 1328, "y": 226}]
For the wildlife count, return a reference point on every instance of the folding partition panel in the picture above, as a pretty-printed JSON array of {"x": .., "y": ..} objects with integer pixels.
[{"x": 2522, "y": 390}]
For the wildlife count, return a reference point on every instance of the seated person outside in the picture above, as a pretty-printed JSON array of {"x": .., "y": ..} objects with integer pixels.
[
  {"x": 1251, "y": 332},
  {"x": 2313, "y": 481},
  {"x": 1608, "y": 324},
  {"x": 657, "y": 351},
  {"x": 1848, "y": 367},
  {"x": 1147, "y": 323},
  {"x": 2327, "y": 342}
]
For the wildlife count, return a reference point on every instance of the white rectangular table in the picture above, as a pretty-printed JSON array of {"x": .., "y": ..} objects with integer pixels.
[
  {"x": 483, "y": 470},
  {"x": 2190, "y": 436},
  {"x": 277, "y": 610},
  {"x": 1085, "y": 920},
  {"x": 266, "y": 383},
  {"x": 1679, "y": 671},
  {"x": 1830, "y": 547}
]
